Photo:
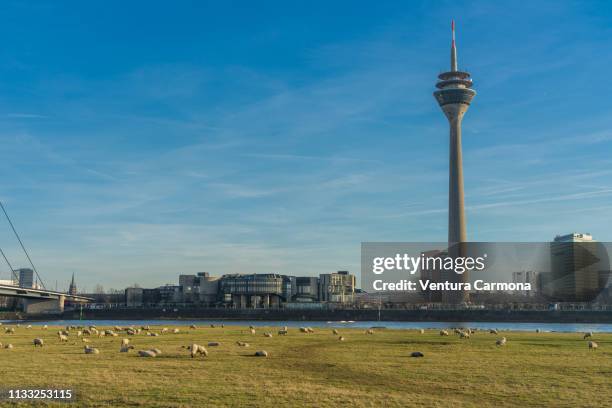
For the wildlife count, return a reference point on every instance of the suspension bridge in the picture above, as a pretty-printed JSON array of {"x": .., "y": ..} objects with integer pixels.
[{"x": 35, "y": 298}]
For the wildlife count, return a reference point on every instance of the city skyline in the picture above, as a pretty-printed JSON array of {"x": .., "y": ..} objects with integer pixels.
[{"x": 233, "y": 141}]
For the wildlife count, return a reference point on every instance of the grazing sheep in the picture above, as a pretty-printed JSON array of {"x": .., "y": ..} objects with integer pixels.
[
  {"x": 91, "y": 350},
  {"x": 9, "y": 346},
  {"x": 212, "y": 326},
  {"x": 29, "y": 326},
  {"x": 501, "y": 342},
  {"x": 117, "y": 328},
  {"x": 303, "y": 330},
  {"x": 369, "y": 331},
  {"x": 9, "y": 330},
  {"x": 341, "y": 338},
  {"x": 335, "y": 332},
  {"x": 267, "y": 334},
  {"x": 164, "y": 330},
  {"x": 146, "y": 328},
  {"x": 457, "y": 331},
  {"x": 464, "y": 335},
  {"x": 213, "y": 344},
  {"x": 242, "y": 344},
  {"x": 125, "y": 342},
  {"x": 417, "y": 354},
  {"x": 422, "y": 331},
  {"x": 130, "y": 332},
  {"x": 146, "y": 353},
  {"x": 537, "y": 330},
  {"x": 156, "y": 351},
  {"x": 38, "y": 342},
  {"x": 79, "y": 333},
  {"x": 63, "y": 337},
  {"x": 176, "y": 331},
  {"x": 444, "y": 333},
  {"x": 587, "y": 335},
  {"x": 592, "y": 345},
  {"x": 45, "y": 327},
  {"x": 493, "y": 331},
  {"x": 152, "y": 334},
  {"x": 261, "y": 353},
  {"x": 197, "y": 349},
  {"x": 252, "y": 330},
  {"x": 310, "y": 330},
  {"x": 125, "y": 348},
  {"x": 282, "y": 332},
  {"x": 84, "y": 340},
  {"x": 251, "y": 327},
  {"x": 193, "y": 327}
]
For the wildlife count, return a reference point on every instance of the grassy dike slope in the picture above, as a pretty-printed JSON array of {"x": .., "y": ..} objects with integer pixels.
[{"x": 317, "y": 370}]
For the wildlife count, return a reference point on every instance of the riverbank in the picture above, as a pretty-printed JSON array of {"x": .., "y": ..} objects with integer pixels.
[
  {"x": 523, "y": 316},
  {"x": 531, "y": 370}
]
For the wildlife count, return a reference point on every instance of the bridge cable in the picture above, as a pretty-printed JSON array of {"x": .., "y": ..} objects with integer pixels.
[
  {"x": 22, "y": 246},
  {"x": 10, "y": 266}
]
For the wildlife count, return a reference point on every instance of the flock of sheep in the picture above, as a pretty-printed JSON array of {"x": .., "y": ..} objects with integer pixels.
[{"x": 196, "y": 350}]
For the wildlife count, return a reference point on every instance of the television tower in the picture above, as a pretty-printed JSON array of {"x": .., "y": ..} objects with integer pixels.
[{"x": 454, "y": 96}]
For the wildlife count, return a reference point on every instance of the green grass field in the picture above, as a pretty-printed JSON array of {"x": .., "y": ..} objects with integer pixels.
[{"x": 317, "y": 370}]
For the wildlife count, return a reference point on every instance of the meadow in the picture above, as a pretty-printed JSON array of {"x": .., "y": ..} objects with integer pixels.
[{"x": 314, "y": 370}]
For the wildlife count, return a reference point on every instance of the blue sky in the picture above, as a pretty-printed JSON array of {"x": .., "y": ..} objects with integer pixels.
[{"x": 141, "y": 140}]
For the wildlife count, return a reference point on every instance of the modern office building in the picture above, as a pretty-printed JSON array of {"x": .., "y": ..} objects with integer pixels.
[
  {"x": 26, "y": 277},
  {"x": 575, "y": 268},
  {"x": 306, "y": 289},
  {"x": 337, "y": 287},
  {"x": 255, "y": 290},
  {"x": 530, "y": 277}
]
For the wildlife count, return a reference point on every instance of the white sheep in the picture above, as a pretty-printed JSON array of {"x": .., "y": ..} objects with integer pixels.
[
  {"x": 9, "y": 330},
  {"x": 261, "y": 353},
  {"x": 91, "y": 350},
  {"x": 252, "y": 330},
  {"x": 464, "y": 335},
  {"x": 125, "y": 342},
  {"x": 592, "y": 345},
  {"x": 501, "y": 342},
  {"x": 8, "y": 346},
  {"x": 242, "y": 344},
  {"x": 45, "y": 327},
  {"x": 197, "y": 349},
  {"x": 369, "y": 331},
  {"x": 63, "y": 338},
  {"x": 341, "y": 338},
  {"x": 587, "y": 335},
  {"x": 444, "y": 333},
  {"x": 38, "y": 342},
  {"x": 493, "y": 331},
  {"x": 176, "y": 331},
  {"x": 193, "y": 327},
  {"x": 164, "y": 330},
  {"x": 267, "y": 334},
  {"x": 335, "y": 332},
  {"x": 146, "y": 353},
  {"x": 422, "y": 331}
]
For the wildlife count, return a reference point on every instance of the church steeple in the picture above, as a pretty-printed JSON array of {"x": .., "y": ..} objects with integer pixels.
[{"x": 72, "y": 290}]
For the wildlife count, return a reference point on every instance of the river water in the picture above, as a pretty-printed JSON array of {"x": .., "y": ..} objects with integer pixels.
[{"x": 545, "y": 327}]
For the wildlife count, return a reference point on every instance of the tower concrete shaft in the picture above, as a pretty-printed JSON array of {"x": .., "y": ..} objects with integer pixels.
[{"x": 454, "y": 96}]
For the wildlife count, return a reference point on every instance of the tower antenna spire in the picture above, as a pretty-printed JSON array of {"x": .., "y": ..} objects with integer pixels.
[{"x": 453, "y": 48}]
